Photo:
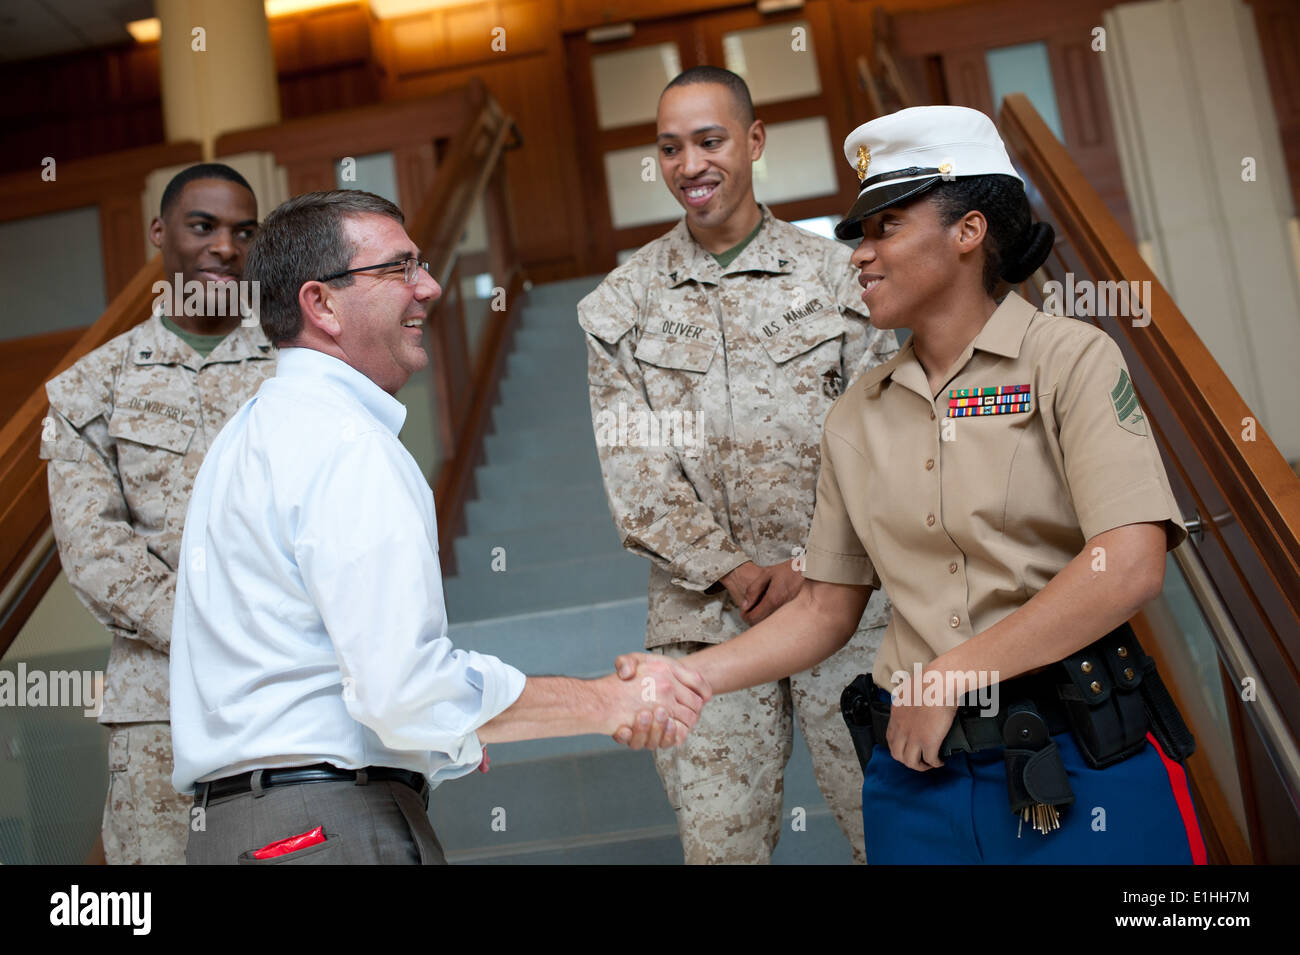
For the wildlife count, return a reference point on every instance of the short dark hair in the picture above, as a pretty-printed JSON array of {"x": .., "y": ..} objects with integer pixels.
[
  {"x": 1015, "y": 246},
  {"x": 300, "y": 241},
  {"x": 204, "y": 170},
  {"x": 713, "y": 74}
]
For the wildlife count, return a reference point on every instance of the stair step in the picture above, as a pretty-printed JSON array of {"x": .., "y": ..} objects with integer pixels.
[
  {"x": 567, "y": 292},
  {"x": 568, "y": 398},
  {"x": 545, "y": 411},
  {"x": 549, "y": 364},
  {"x": 557, "y": 469},
  {"x": 520, "y": 511},
  {"x": 545, "y": 587},
  {"x": 567, "y": 338},
  {"x": 557, "y": 319},
  {"x": 578, "y": 641},
  {"x": 525, "y": 387},
  {"x": 601, "y": 802},
  {"x": 515, "y": 445},
  {"x": 591, "y": 795},
  {"x": 572, "y": 540}
]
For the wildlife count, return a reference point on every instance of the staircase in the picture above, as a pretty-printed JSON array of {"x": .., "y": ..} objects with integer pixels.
[{"x": 568, "y": 600}]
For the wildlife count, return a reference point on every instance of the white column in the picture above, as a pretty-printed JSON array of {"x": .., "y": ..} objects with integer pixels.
[{"x": 218, "y": 73}]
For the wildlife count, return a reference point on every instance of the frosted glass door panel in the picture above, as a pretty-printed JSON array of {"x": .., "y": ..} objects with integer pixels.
[
  {"x": 1024, "y": 68},
  {"x": 52, "y": 273},
  {"x": 628, "y": 83},
  {"x": 372, "y": 173},
  {"x": 777, "y": 61},
  {"x": 798, "y": 162},
  {"x": 634, "y": 200}
]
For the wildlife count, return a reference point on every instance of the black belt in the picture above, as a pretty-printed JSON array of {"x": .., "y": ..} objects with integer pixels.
[
  {"x": 972, "y": 730},
  {"x": 319, "y": 773}
]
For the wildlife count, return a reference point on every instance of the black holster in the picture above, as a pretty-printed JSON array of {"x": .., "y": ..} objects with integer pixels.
[
  {"x": 1113, "y": 696},
  {"x": 855, "y": 705}
]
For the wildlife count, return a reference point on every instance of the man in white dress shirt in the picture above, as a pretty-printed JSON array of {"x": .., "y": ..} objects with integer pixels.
[{"x": 315, "y": 695}]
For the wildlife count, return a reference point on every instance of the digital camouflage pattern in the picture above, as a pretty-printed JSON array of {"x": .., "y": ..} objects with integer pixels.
[
  {"x": 127, "y": 429},
  {"x": 726, "y": 782},
  {"x": 749, "y": 360},
  {"x": 709, "y": 387},
  {"x": 146, "y": 821}
]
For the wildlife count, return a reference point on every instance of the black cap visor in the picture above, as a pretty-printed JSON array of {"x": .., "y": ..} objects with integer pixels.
[{"x": 879, "y": 198}]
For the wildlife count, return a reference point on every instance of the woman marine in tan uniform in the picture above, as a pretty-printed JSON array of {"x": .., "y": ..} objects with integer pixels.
[{"x": 1018, "y": 515}]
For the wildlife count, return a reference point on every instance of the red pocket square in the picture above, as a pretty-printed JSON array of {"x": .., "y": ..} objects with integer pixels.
[{"x": 283, "y": 847}]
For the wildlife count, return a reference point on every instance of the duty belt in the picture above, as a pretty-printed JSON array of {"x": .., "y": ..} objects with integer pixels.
[
  {"x": 973, "y": 730},
  {"x": 1108, "y": 695}
]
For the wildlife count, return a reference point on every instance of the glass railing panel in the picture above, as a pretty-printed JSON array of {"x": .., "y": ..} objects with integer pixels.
[
  {"x": 52, "y": 272},
  {"x": 375, "y": 172},
  {"x": 1191, "y": 664},
  {"x": 53, "y": 750}
]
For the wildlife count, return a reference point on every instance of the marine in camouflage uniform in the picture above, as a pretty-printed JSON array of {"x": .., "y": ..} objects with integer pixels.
[
  {"x": 709, "y": 387},
  {"x": 127, "y": 429}
]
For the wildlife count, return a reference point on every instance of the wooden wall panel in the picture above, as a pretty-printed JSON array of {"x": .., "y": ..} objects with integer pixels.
[
  {"x": 78, "y": 105},
  {"x": 1278, "y": 25},
  {"x": 469, "y": 32},
  {"x": 582, "y": 14},
  {"x": 449, "y": 38},
  {"x": 417, "y": 43},
  {"x": 100, "y": 101}
]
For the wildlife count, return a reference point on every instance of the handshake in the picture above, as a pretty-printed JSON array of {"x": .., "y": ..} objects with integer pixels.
[{"x": 651, "y": 701}]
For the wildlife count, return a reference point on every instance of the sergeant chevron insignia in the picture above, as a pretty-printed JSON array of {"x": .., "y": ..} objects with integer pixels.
[{"x": 1127, "y": 410}]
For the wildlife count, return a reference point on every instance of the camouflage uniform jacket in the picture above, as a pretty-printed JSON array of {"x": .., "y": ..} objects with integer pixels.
[
  {"x": 128, "y": 427},
  {"x": 709, "y": 387}
]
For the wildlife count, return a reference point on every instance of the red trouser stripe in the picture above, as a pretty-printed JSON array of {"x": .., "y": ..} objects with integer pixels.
[{"x": 1183, "y": 796}]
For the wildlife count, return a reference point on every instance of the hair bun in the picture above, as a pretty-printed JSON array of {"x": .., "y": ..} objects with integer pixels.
[{"x": 1030, "y": 252}]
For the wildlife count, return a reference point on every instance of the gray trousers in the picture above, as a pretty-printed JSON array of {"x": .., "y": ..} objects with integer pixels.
[{"x": 380, "y": 823}]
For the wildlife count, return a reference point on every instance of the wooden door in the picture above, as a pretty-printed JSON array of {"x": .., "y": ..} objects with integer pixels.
[{"x": 804, "y": 109}]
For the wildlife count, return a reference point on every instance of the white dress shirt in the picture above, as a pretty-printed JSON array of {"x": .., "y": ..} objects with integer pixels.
[{"x": 309, "y": 623}]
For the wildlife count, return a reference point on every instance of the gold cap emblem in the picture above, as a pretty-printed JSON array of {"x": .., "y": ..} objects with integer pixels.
[{"x": 864, "y": 159}]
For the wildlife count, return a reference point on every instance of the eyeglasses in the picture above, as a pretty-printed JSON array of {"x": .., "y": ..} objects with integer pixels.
[{"x": 411, "y": 265}]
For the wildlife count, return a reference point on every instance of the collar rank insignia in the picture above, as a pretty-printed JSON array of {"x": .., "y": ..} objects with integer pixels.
[
  {"x": 864, "y": 160},
  {"x": 999, "y": 399}
]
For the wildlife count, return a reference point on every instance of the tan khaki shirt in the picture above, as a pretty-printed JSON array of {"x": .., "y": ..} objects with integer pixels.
[
  {"x": 127, "y": 429},
  {"x": 965, "y": 517},
  {"x": 708, "y": 391}
]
